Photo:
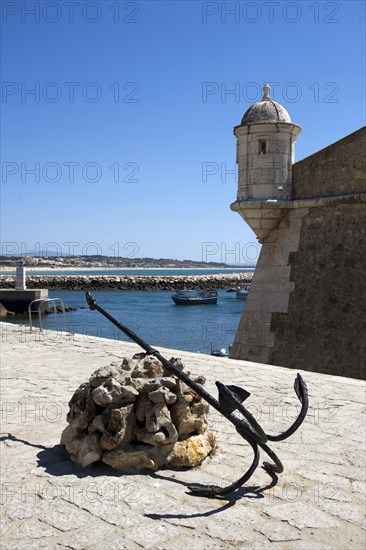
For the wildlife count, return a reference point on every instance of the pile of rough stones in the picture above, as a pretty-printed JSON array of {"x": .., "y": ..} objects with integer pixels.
[{"x": 137, "y": 415}]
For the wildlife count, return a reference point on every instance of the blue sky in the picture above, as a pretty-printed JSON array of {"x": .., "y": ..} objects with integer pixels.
[{"x": 129, "y": 128}]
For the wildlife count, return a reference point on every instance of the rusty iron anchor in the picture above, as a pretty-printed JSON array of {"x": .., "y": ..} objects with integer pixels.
[{"x": 230, "y": 401}]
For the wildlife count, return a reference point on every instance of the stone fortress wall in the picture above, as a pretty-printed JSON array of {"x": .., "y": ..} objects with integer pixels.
[
  {"x": 336, "y": 170},
  {"x": 306, "y": 309}
]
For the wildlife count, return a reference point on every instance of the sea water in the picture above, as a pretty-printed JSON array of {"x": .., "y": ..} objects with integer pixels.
[{"x": 151, "y": 314}]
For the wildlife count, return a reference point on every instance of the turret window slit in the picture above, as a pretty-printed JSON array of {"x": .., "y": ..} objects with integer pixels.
[{"x": 262, "y": 147}]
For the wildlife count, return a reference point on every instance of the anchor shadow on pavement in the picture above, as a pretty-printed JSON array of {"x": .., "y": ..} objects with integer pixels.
[
  {"x": 253, "y": 491},
  {"x": 56, "y": 462},
  {"x": 11, "y": 437}
]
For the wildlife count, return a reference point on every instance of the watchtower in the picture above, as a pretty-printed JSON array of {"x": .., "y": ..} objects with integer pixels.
[
  {"x": 265, "y": 152},
  {"x": 305, "y": 308}
]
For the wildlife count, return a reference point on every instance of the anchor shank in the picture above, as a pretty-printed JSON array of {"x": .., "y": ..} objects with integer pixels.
[
  {"x": 230, "y": 400},
  {"x": 167, "y": 364}
]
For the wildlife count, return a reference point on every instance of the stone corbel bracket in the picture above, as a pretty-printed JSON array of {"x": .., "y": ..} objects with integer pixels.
[{"x": 264, "y": 215}]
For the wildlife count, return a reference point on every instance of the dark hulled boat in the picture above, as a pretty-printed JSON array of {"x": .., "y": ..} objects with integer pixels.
[{"x": 195, "y": 297}]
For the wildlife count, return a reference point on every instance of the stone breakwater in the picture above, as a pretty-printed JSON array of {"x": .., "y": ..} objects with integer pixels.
[{"x": 114, "y": 282}]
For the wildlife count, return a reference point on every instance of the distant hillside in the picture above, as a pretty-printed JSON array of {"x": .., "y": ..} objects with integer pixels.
[{"x": 108, "y": 261}]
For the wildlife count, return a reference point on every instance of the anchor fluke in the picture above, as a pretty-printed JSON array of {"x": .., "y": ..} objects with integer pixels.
[
  {"x": 231, "y": 396},
  {"x": 240, "y": 392},
  {"x": 300, "y": 388},
  {"x": 230, "y": 401}
]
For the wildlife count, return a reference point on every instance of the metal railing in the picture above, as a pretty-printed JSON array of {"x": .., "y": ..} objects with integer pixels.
[{"x": 42, "y": 301}]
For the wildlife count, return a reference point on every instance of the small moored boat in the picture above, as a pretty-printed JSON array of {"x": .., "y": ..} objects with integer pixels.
[
  {"x": 220, "y": 352},
  {"x": 195, "y": 297},
  {"x": 243, "y": 291}
]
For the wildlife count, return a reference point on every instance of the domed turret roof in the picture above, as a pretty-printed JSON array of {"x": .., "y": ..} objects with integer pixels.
[{"x": 265, "y": 111}]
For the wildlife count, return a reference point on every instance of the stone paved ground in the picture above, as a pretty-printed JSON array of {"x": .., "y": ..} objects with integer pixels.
[{"x": 318, "y": 503}]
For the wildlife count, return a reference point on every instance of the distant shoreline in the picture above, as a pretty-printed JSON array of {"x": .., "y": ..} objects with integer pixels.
[{"x": 91, "y": 269}]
